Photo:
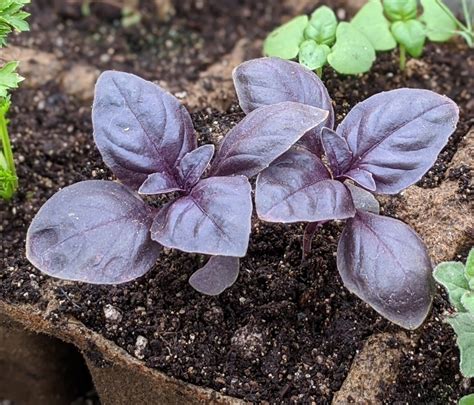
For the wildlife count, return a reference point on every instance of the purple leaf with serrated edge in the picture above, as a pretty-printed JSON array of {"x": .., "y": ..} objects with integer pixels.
[
  {"x": 193, "y": 165},
  {"x": 385, "y": 263},
  {"x": 337, "y": 151},
  {"x": 267, "y": 81},
  {"x": 159, "y": 183},
  {"x": 262, "y": 136},
  {"x": 213, "y": 219},
  {"x": 219, "y": 273},
  {"x": 139, "y": 128},
  {"x": 396, "y": 136},
  {"x": 298, "y": 187},
  {"x": 363, "y": 200},
  {"x": 94, "y": 231}
]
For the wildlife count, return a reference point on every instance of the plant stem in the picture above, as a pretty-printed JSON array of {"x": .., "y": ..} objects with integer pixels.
[
  {"x": 403, "y": 58},
  {"x": 467, "y": 17},
  {"x": 8, "y": 154},
  {"x": 319, "y": 72}
]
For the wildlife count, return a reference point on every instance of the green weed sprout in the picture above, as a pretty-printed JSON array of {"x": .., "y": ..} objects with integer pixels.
[
  {"x": 350, "y": 47},
  {"x": 458, "y": 280},
  {"x": 12, "y": 18}
]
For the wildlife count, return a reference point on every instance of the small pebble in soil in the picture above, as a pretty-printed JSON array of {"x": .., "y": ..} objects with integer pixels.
[
  {"x": 112, "y": 314},
  {"x": 140, "y": 346}
]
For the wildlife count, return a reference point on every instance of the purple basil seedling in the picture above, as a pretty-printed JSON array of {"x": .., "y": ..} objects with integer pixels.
[
  {"x": 385, "y": 144},
  {"x": 102, "y": 232}
]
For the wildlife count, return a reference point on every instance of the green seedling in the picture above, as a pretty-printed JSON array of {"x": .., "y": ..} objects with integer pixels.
[
  {"x": 12, "y": 18},
  {"x": 458, "y": 280},
  {"x": 350, "y": 48}
]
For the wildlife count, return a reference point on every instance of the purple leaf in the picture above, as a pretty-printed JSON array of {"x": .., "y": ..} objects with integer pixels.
[
  {"x": 262, "y": 136},
  {"x": 159, "y": 183},
  {"x": 193, "y": 165},
  {"x": 385, "y": 263},
  {"x": 337, "y": 151},
  {"x": 93, "y": 231},
  {"x": 213, "y": 219},
  {"x": 267, "y": 81},
  {"x": 397, "y": 135},
  {"x": 362, "y": 177},
  {"x": 218, "y": 274},
  {"x": 139, "y": 128},
  {"x": 363, "y": 200},
  {"x": 298, "y": 187}
]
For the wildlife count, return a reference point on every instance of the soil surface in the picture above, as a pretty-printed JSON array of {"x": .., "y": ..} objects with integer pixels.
[{"x": 288, "y": 330}]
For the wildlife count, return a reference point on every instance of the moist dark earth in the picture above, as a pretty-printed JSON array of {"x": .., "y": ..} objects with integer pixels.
[{"x": 288, "y": 330}]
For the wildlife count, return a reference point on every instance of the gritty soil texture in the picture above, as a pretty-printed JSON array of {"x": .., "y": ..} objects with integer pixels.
[{"x": 288, "y": 330}]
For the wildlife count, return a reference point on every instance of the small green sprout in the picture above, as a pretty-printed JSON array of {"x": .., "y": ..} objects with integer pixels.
[
  {"x": 458, "y": 280},
  {"x": 12, "y": 18},
  {"x": 378, "y": 26}
]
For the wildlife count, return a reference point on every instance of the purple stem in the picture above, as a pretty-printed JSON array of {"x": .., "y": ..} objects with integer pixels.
[{"x": 308, "y": 235}]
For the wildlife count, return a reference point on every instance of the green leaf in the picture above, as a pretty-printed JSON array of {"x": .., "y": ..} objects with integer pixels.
[
  {"x": 467, "y": 400},
  {"x": 451, "y": 276},
  {"x": 400, "y": 10},
  {"x": 372, "y": 23},
  {"x": 284, "y": 42},
  {"x": 439, "y": 25},
  {"x": 352, "y": 53},
  {"x": 313, "y": 55},
  {"x": 467, "y": 300},
  {"x": 12, "y": 17},
  {"x": 410, "y": 34},
  {"x": 9, "y": 79},
  {"x": 322, "y": 26},
  {"x": 463, "y": 325},
  {"x": 469, "y": 270}
]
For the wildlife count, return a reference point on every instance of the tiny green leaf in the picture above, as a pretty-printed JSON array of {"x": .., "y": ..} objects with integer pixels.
[
  {"x": 400, "y": 10},
  {"x": 467, "y": 400},
  {"x": 313, "y": 55},
  {"x": 372, "y": 23},
  {"x": 284, "y": 42},
  {"x": 439, "y": 25},
  {"x": 411, "y": 34},
  {"x": 9, "y": 79},
  {"x": 451, "y": 276},
  {"x": 463, "y": 325},
  {"x": 352, "y": 53},
  {"x": 322, "y": 26}
]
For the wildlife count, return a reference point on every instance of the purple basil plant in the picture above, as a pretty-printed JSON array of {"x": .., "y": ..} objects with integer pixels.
[
  {"x": 384, "y": 144},
  {"x": 103, "y": 232}
]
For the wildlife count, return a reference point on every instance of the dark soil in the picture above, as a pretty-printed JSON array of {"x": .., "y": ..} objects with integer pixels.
[{"x": 287, "y": 331}]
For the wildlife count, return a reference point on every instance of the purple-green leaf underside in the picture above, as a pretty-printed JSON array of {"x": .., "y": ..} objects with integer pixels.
[
  {"x": 214, "y": 218},
  {"x": 385, "y": 263},
  {"x": 396, "y": 136},
  {"x": 139, "y": 128},
  {"x": 298, "y": 187},
  {"x": 218, "y": 274},
  {"x": 94, "y": 231},
  {"x": 264, "y": 135}
]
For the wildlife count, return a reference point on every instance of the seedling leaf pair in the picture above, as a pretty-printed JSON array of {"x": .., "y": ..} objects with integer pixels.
[
  {"x": 384, "y": 144},
  {"x": 103, "y": 232}
]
